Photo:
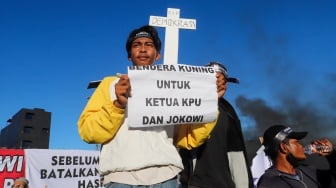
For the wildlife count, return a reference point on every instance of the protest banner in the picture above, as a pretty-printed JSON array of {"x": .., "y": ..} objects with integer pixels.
[
  {"x": 171, "y": 94},
  {"x": 62, "y": 168},
  {"x": 50, "y": 168},
  {"x": 12, "y": 166}
]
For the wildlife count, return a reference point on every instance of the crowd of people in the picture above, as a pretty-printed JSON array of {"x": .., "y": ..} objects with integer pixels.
[{"x": 207, "y": 155}]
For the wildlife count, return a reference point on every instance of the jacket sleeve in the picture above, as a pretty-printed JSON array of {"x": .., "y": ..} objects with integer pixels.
[
  {"x": 332, "y": 160},
  {"x": 193, "y": 135},
  {"x": 100, "y": 119},
  {"x": 332, "y": 172}
]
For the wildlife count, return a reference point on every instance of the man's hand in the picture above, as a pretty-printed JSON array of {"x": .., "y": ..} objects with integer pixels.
[
  {"x": 327, "y": 146},
  {"x": 122, "y": 91}
]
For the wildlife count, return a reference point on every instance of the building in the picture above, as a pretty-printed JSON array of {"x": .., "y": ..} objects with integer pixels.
[{"x": 27, "y": 129}]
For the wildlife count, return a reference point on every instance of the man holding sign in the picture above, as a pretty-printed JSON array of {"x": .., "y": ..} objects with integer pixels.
[{"x": 133, "y": 157}]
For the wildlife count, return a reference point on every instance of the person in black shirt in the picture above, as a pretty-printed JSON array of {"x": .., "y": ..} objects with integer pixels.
[{"x": 221, "y": 161}]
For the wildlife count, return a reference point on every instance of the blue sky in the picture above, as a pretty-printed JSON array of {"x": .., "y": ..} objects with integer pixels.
[{"x": 283, "y": 52}]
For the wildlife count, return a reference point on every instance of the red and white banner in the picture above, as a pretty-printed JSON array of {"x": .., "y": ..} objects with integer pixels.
[
  {"x": 12, "y": 166},
  {"x": 50, "y": 168}
]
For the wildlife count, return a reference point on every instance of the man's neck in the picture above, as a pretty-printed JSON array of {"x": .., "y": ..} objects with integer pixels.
[{"x": 284, "y": 166}]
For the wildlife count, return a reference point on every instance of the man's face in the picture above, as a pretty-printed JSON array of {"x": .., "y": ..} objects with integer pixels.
[
  {"x": 143, "y": 52},
  {"x": 296, "y": 149},
  {"x": 221, "y": 77}
]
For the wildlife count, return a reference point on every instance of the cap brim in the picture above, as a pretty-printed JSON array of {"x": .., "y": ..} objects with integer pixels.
[
  {"x": 297, "y": 135},
  {"x": 233, "y": 80}
]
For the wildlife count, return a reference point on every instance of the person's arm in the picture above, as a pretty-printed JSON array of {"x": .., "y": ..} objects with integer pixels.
[
  {"x": 327, "y": 176},
  {"x": 100, "y": 119},
  {"x": 332, "y": 162},
  {"x": 192, "y": 136}
]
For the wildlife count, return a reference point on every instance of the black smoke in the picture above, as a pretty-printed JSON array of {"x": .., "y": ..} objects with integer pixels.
[
  {"x": 301, "y": 117},
  {"x": 288, "y": 91}
]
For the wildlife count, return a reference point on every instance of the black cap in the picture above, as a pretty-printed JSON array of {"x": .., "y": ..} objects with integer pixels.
[
  {"x": 278, "y": 133},
  {"x": 146, "y": 31},
  {"x": 218, "y": 67}
]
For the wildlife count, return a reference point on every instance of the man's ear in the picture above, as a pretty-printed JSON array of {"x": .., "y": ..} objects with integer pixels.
[
  {"x": 283, "y": 148},
  {"x": 158, "y": 56}
]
